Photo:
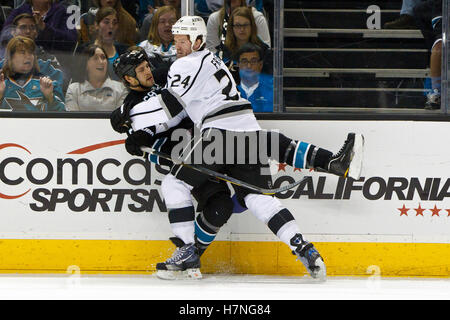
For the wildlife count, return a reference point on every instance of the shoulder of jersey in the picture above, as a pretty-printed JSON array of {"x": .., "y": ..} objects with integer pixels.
[{"x": 189, "y": 62}]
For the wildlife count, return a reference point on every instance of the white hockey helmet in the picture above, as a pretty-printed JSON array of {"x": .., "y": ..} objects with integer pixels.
[{"x": 192, "y": 26}]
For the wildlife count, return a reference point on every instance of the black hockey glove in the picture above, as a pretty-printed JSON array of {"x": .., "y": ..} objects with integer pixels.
[
  {"x": 138, "y": 139},
  {"x": 120, "y": 120}
]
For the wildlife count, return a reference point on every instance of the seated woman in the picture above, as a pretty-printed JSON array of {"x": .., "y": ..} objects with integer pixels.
[
  {"x": 25, "y": 83},
  {"x": 127, "y": 32},
  {"x": 242, "y": 30},
  {"x": 218, "y": 19},
  {"x": 94, "y": 90},
  {"x": 159, "y": 44},
  {"x": 106, "y": 25}
]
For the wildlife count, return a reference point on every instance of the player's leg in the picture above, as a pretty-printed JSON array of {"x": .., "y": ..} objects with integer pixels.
[
  {"x": 185, "y": 262},
  {"x": 280, "y": 221},
  {"x": 216, "y": 207},
  {"x": 283, "y": 224},
  {"x": 347, "y": 162}
]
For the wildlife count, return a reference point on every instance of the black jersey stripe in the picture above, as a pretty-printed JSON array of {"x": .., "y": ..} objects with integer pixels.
[
  {"x": 199, "y": 69},
  {"x": 141, "y": 113},
  {"x": 172, "y": 106}
]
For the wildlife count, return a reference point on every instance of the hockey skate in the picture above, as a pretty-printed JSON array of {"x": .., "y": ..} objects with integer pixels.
[
  {"x": 184, "y": 263},
  {"x": 310, "y": 257},
  {"x": 433, "y": 100},
  {"x": 348, "y": 161}
]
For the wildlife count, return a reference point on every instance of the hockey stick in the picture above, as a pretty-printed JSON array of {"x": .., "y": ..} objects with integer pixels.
[{"x": 222, "y": 176}]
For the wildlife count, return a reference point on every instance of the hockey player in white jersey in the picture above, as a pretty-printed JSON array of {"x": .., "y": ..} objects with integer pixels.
[{"x": 200, "y": 84}]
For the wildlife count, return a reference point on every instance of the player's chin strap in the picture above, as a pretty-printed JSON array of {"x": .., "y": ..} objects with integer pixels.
[{"x": 141, "y": 86}]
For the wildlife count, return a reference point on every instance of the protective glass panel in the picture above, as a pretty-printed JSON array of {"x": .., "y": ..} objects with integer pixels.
[{"x": 362, "y": 56}]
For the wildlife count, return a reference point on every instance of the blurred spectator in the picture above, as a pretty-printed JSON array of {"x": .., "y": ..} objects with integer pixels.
[
  {"x": 241, "y": 30},
  {"x": 255, "y": 86},
  {"x": 204, "y": 8},
  {"x": 51, "y": 20},
  {"x": 143, "y": 10},
  {"x": 94, "y": 90},
  {"x": 218, "y": 21},
  {"x": 127, "y": 33},
  {"x": 428, "y": 16},
  {"x": 27, "y": 84},
  {"x": 138, "y": 8},
  {"x": 25, "y": 25},
  {"x": 159, "y": 44},
  {"x": 406, "y": 19},
  {"x": 145, "y": 28},
  {"x": 106, "y": 29}
]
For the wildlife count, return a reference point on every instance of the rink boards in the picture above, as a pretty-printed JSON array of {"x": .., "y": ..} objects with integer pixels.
[{"x": 72, "y": 199}]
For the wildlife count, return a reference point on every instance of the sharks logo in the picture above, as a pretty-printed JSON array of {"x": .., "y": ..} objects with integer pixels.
[{"x": 23, "y": 101}]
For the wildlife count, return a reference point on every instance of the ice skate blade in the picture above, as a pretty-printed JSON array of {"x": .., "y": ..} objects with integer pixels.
[
  {"x": 317, "y": 275},
  {"x": 179, "y": 275},
  {"x": 356, "y": 163},
  {"x": 321, "y": 275}
]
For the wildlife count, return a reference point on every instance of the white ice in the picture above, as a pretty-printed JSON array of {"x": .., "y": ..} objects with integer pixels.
[{"x": 218, "y": 287}]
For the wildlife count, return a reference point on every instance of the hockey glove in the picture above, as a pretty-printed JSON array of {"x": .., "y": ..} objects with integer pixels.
[
  {"x": 138, "y": 139},
  {"x": 119, "y": 120}
]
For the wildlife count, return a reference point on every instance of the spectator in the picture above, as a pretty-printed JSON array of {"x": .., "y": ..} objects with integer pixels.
[
  {"x": 159, "y": 44},
  {"x": 242, "y": 29},
  {"x": 428, "y": 16},
  {"x": 145, "y": 28},
  {"x": 204, "y": 8},
  {"x": 27, "y": 84},
  {"x": 25, "y": 25},
  {"x": 51, "y": 19},
  {"x": 106, "y": 26},
  {"x": 127, "y": 33},
  {"x": 94, "y": 90},
  {"x": 218, "y": 19},
  {"x": 406, "y": 19},
  {"x": 144, "y": 7},
  {"x": 255, "y": 86}
]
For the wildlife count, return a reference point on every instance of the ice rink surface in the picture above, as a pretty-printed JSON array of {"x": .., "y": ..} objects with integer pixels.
[{"x": 218, "y": 287}]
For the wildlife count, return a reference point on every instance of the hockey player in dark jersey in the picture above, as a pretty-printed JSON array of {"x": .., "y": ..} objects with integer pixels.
[
  {"x": 200, "y": 85},
  {"x": 213, "y": 197}
]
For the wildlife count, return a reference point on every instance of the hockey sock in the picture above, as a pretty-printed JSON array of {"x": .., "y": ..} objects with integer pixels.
[
  {"x": 436, "y": 84},
  {"x": 182, "y": 223},
  {"x": 205, "y": 233},
  {"x": 215, "y": 214},
  {"x": 284, "y": 226},
  {"x": 305, "y": 155},
  {"x": 298, "y": 154}
]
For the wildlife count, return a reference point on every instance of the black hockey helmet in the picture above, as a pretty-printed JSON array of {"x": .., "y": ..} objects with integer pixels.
[{"x": 127, "y": 63}]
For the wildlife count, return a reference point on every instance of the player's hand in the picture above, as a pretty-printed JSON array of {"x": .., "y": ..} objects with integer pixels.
[
  {"x": 46, "y": 85},
  {"x": 119, "y": 120},
  {"x": 138, "y": 139}
]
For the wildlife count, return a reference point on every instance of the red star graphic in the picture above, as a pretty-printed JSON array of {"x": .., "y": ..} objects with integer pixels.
[
  {"x": 435, "y": 211},
  {"x": 403, "y": 211},
  {"x": 282, "y": 166},
  {"x": 448, "y": 210},
  {"x": 297, "y": 169},
  {"x": 419, "y": 211},
  {"x": 311, "y": 170}
]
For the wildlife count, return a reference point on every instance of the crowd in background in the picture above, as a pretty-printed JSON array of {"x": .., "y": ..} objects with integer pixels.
[{"x": 59, "y": 55}]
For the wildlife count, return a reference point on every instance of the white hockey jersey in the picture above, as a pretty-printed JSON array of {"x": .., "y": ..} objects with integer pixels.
[
  {"x": 200, "y": 84},
  {"x": 206, "y": 89}
]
